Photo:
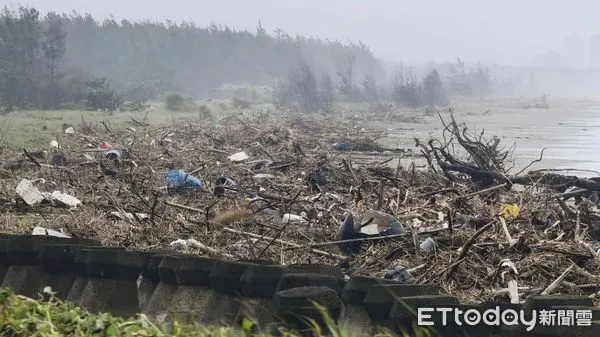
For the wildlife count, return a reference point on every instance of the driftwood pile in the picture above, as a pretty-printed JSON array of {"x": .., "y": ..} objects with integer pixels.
[{"x": 496, "y": 234}]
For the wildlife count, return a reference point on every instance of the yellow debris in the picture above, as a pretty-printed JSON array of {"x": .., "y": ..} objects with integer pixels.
[{"x": 508, "y": 211}]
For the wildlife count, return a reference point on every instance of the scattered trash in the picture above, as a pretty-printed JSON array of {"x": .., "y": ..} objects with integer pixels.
[
  {"x": 427, "y": 245},
  {"x": 193, "y": 243},
  {"x": 298, "y": 180},
  {"x": 54, "y": 144},
  {"x": 225, "y": 181},
  {"x": 178, "y": 181},
  {"x": 294, "y": 218},
  {"x": 60, "y": 199},
  {"x": 29, "y": 193},
  {"x": 399, "y": 274},
  {"x": 381, "y": 224},
  {"x": 237, "y": 157},
  {"x": 341, "y": 146},
  {"x": 49, "y": 232},
  {"x": 113, "y": 154},
  {"x": 68, "y": 129},
  {"x": 373, "y": 224},
  {"x": 128, "y": 216},
  {"x": 509, "y": 211},
  {"x": 219, "y": 190}
]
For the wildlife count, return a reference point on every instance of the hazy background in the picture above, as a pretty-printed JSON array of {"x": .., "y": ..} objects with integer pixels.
[
  {"x": 353, "y": 50},
  {"x": 382, "y": 57},
  {"x": 507, "y": 32}
]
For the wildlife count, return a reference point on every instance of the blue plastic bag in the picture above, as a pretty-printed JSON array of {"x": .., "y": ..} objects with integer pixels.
[
  {"x": 175, "y": 181},
  {"x": 341, "y": 146}
]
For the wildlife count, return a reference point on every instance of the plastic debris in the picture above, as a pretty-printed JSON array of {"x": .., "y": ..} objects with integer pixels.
[
  {"x": 128, "y": 216},
  {"x": 219, "y": 190},
  {"x": 49, "y": 232},
  {"x": 29, "y": 193},
  {"x": 226, "y": 181},
  {"x": 509, "y": 211},
  {"x": 237, "y": 157},
  {"x": 60, "y": 199},
  {"x": 178, "y": 181},
  {"x": 399, "y": 274},
  {"x": 341, "y": 146},
  {"x": 113, "y": 154},
  {"x": 373, "y": 224},
  {"x": 294, "y": 218},
  {"x": 379, "y": 223},
  {"x": 427, "y": 245}
]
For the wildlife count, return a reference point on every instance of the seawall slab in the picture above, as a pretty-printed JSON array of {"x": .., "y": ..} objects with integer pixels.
[{"x": 166, "y": 285}]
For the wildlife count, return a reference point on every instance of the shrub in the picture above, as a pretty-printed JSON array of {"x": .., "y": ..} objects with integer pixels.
[
  {"x": 433, "y": 89},
  {"x": 178, "y": 102},
  {"x": 101, "y": 95}
]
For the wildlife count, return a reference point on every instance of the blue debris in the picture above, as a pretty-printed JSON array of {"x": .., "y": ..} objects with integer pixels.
[
  {"x": 341, "y": 146},
  {"x": 175, "y": 181},
  {"x": 399, "y": 274}
]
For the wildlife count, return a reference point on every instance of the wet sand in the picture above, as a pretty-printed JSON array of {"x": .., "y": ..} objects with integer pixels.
[{"x": 569, "y": 131}]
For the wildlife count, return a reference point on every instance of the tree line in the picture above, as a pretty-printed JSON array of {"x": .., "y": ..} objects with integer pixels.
[
  {"x": 307, "y": 91},
  {"x": 74, "y": 61},
  {"x": 61, "y": 60}
]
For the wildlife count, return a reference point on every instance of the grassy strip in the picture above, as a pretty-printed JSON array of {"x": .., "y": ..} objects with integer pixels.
[{"x": 23, "y": 316}]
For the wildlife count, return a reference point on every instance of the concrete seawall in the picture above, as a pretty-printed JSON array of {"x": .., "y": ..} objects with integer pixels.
[{"x": 166, "y": 286}]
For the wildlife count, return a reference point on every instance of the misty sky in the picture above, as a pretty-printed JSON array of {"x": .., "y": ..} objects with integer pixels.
[{"x": 509, "y": 32}]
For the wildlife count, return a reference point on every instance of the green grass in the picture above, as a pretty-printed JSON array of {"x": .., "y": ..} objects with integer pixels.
[
  {"x": 22, "y": 316},
  {"x": 37, "y": 128}
]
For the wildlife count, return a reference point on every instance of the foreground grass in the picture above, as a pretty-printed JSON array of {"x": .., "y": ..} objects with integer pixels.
[{"x": 22, "y": 316}]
